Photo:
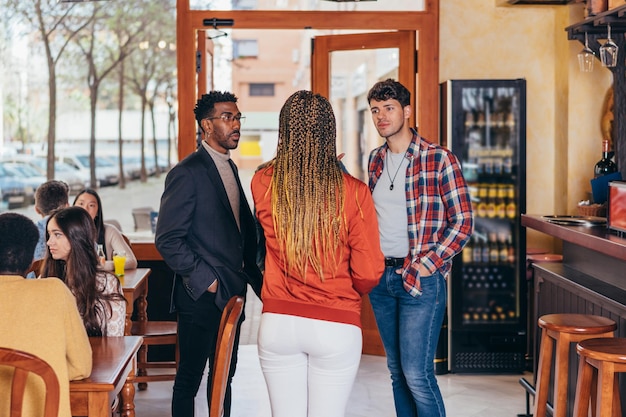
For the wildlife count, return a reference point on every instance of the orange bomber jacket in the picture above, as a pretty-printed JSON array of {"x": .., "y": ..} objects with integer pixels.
[{"x": 361, "y": 264}]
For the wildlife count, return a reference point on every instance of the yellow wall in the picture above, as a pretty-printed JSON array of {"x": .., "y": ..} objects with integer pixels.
[{"x": 482, "y": 39}]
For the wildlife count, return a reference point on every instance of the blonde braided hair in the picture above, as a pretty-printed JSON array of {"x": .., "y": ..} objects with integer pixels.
[{"x": 307, "y": 186}]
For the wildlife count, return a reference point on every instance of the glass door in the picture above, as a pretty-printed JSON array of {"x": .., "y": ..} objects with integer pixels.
[{"x": 344, "y": 68}]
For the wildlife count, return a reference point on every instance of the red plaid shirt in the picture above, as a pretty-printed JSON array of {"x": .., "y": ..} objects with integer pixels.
[{"x": 438, "y": 207}]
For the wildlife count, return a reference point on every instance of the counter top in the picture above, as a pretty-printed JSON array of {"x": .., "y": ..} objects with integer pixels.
[
  {"x": 609, "y": 292},
  {"x": 597, "y": 238},
  {"x": 143, "y": 246}
]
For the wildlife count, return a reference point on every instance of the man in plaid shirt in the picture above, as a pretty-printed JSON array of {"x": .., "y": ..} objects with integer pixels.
[{"x": 425, "y": 219}]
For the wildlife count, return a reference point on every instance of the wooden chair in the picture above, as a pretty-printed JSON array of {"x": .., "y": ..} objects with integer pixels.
[
  {"x": 127, "y": 240},
  {"x": 224, "y": 353},
  {"x": 155, "y": 333},
  {"x": 35, "y": 267},
  {"x": 25, "y": 363},
  {"x": 141, "y": 218}
]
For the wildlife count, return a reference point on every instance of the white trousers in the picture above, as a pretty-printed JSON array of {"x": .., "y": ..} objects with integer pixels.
[{"x": 309, "y": 365}]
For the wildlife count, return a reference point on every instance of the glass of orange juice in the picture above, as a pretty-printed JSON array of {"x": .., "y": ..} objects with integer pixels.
[{"x": 119, "y": 260}]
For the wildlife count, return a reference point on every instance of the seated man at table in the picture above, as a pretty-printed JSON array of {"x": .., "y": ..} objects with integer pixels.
[
  {"x": 38, "y": 316},
  {"x": 50, "y": 196}
]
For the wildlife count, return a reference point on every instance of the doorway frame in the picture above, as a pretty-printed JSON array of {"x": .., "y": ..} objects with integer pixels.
[
  {"x": 324, "y": 45},
  {"x": 424, "y": 22}
]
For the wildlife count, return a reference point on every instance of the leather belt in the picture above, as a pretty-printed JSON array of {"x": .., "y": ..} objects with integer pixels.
[{"x": 397, "y": 262}]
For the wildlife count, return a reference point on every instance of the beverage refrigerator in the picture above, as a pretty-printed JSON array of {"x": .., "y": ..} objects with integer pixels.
[{"x": 484, "y": 125}]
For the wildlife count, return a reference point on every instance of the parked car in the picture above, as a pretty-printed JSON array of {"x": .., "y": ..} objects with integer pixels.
[
  {"x": 27, "y": 173},
  {"x": 132, "y": 166},
  {"x": 106, "y": 171},
  {"x": 75, "y": 180},
  {"x": 14, "y": 193},
  {"x": 72, "y": 177},
  {"x": 164, "y": 166}
]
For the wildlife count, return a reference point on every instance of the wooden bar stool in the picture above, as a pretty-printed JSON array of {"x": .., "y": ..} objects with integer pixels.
[
  {"x": 608, "y": 357},
  {"x": 534, "y": 255},
  {"x": 563, "y": 329}
]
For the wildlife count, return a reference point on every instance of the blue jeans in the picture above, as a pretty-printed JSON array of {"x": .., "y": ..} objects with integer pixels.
[{"x": 409, "y": 328}]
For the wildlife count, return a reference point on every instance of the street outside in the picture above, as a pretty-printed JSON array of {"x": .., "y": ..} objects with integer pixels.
[{"x": 118, "y": 203}]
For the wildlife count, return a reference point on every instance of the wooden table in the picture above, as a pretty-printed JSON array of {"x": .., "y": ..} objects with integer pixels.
[
  {"x": 113, "y": 373},
  {"x": 135, "y": 287}
]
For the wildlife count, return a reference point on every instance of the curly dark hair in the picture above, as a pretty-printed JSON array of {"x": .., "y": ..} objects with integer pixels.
[
  {"x": 17, "y": 245},
  {"x": 206, "y": 104},
  {"x": 80, "y": 270},
  {"x": 389, "y": 90},
  {"x": 50, "y": 196}
]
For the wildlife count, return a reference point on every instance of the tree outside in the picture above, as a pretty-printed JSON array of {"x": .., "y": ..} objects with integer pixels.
[{"x": 62, "y": 58}]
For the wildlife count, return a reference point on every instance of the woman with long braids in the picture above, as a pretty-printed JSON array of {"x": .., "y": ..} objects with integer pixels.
[
  {"x": 322, "y": 255},
  {"x": 72, "y": 257}
]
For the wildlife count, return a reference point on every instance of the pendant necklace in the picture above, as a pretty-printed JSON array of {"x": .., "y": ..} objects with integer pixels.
[{"x": 394, "y": 175}]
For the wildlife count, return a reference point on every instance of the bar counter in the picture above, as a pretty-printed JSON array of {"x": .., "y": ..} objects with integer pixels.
[
  {"x": 594, "y": 256},
  {"x": 597, "y": 238},
  {"x": 590, "y": 280}
]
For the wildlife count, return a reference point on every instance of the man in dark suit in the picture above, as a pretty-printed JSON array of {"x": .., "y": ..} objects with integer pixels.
[{"x": 207, "y": 235}]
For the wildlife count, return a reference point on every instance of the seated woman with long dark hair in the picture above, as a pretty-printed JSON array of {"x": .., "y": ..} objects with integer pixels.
[
  {"x": 107, "y": 235},
  {"x": 72, "y": 257}
]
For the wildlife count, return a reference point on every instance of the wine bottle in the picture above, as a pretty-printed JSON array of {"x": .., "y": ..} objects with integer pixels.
[
  {"x": 501, "y": 202},
  {"x": 481, "y": 207},
  {"x": 494, "y": 252},
  {"x": 605, "y": 165},
  {"x": 503, "y": 249},
  {"x": 511, "y": 205},
  {"x": 492, "y": 194},
  {"x": 485, "y": 248},
  {"x": 477, "y": 250}
]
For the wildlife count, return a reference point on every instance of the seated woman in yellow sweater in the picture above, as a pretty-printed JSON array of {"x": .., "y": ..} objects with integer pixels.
[{"x": 38, "y": 316}]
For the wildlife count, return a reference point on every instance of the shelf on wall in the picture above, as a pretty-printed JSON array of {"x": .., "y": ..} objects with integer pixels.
[
  {"x": 596, "y": 29},
  {"x": 597, "y": 24}
]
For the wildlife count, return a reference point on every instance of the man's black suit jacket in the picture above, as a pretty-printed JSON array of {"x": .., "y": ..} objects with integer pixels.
[{"x": 197, "y": 234}]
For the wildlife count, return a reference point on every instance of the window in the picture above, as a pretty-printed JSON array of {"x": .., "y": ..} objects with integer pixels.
[
  {"x": 244, "y": 4},
  {"x": 245, "y": 48},
  {"x": 262, "y": 89}
]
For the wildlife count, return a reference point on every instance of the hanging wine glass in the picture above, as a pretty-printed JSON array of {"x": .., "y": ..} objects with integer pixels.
[
  {"x": 586, "y": 57},
  {"x": 608, "y": 51}
]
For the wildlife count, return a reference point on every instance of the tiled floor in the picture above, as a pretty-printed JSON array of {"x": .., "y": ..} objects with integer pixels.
[{"x": 464, "y": 395}]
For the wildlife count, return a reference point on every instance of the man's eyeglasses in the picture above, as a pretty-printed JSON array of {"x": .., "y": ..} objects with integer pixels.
[{"x": 229, "y": 117}]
